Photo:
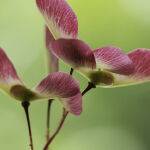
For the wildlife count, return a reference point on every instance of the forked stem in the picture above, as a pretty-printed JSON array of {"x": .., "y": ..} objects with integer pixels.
[
  {"x": 26, "y": 105},
  {"x": 65, "y": 113},
  {"x": 64, "y": 116}
]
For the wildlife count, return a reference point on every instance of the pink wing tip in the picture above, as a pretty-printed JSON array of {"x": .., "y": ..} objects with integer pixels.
[
  {"x": 113, "y": 59},
  {"x": 75, "y": 104},
  {"x": 74, "y": 52},
  {"x": 65, "y": 87},
  {"x": 141, "y": 61},
  {"x": 7, "y": 69},
  {"x": 59, "y": 13}
]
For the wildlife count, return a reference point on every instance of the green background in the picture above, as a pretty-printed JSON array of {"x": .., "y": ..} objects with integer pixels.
[{"x": 112, "y": 119}]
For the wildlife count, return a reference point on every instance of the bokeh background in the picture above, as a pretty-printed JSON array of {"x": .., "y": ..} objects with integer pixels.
[{"x": 112, "y": 119}]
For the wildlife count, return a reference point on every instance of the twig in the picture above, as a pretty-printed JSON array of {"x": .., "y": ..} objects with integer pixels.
[
  {"x": 48, "y": 118},
  {"x": 26, "y": 105},
  {"x": 65, "y": 113},
  {"x": 88, "y": 88}
]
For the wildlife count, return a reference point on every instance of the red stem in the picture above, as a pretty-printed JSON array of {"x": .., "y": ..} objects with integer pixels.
[{"x": 65, "y": 113}]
